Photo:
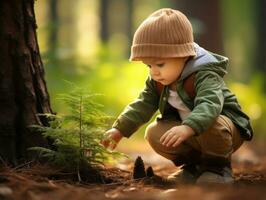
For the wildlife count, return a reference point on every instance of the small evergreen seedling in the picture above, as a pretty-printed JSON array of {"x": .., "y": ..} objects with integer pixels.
[
  {"x": 77, "y": 135},
  {"x": 139, "y": 169}
]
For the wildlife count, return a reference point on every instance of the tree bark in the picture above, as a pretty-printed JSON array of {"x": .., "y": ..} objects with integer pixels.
[{"x": 23, "y": 91}]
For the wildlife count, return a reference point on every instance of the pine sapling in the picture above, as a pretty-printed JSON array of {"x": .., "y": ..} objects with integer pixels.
[{"x": 77, "y": 135}]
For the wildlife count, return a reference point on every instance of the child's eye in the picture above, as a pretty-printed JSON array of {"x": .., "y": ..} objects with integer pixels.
[
  {"x": 160, "y": 65},
  {"x": 148, "y": 66}
]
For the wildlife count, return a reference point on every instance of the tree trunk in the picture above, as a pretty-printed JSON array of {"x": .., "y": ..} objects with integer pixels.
[
  {"x": 23, "y": 92},
  {"x": 261, "y": 41},
  {"x": 207, "y": 30},
  {"x": 53, "y": 32},
  {"x": 104, "y": 5},
  {"x": 129, "y": 23}
]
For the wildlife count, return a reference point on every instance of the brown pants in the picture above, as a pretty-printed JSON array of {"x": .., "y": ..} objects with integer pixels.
[{"x": 220, "y": 140}]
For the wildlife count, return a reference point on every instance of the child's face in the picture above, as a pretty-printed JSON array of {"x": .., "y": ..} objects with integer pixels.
[{"x": 165, "y": 71}]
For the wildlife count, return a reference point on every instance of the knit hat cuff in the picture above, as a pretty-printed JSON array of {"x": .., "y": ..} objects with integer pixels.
[{"x": 139, "y": 51}]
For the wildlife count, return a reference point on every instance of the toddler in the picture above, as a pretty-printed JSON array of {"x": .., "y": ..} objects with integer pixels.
[{"x": 201, "y": 123}]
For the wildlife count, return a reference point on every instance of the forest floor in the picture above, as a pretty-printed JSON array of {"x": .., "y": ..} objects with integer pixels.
[{"x": 36, "y": 183}]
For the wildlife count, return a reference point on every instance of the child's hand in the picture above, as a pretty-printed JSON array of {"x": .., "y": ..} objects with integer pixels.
[
  {"x": 112, "y": 138},
  {"x": 176, "y": 135}
]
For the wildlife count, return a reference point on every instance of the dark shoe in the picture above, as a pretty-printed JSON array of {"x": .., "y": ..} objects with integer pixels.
[
  {"x": 186, "y": 174},
  {"x": 210, "y": 177}
]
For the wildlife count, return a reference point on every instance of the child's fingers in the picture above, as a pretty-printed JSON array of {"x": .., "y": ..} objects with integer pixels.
[
  {"x": 168, "y": 137},
  {"x": 112, "y": 146},
  {"x": 172, "y": 140},
  {"x": 164, "y": 136},
  {"x": 177, "y": 142},
  {"x": 105, "y": 142}
]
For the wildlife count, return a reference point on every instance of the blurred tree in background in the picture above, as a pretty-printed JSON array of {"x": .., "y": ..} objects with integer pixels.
[
  {"x": 206, "y": 21},
  {"x": 54, "y": 27},
  {"x": 88, "y": 42},
  {"x": 261, "y": 41}
]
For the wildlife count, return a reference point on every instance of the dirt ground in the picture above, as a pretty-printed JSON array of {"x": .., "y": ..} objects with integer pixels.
[{"x": 36, "y": 183}]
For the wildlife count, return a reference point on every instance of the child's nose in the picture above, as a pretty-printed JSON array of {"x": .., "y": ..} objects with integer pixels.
[{"x": 154, "y": 71}]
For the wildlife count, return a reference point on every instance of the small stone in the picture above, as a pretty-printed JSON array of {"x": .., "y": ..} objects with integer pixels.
[
  {"x": 5, "y": 191},
  {"x": 169, "y": 191},
  {"x": 112, "y": 195},
  {"x": 130, "y": 189}
]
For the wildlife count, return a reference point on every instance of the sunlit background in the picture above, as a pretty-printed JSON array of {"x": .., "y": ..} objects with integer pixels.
[{"x": 88, "y": 43}]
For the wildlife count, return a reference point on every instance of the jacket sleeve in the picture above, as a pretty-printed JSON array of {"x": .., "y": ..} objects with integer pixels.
[
  {"x": 208, "y": 102},
  {"x": 138, "y": 112}
]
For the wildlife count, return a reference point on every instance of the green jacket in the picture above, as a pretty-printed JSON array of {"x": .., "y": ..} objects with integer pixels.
[{"x": 212, "y": 99}]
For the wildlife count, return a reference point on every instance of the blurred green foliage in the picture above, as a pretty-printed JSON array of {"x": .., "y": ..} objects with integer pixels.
[
  {"x": 80, "y": 56},
  {"x": 119, "y": 81},
  {"x": 252, "y": 99}
]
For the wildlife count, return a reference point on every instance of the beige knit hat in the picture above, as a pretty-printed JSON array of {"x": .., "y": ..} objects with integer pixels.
[{"x": 166, "y": 33}]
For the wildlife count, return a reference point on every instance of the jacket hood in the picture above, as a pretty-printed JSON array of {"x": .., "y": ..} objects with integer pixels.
[{"x": 205, "y": 60}]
